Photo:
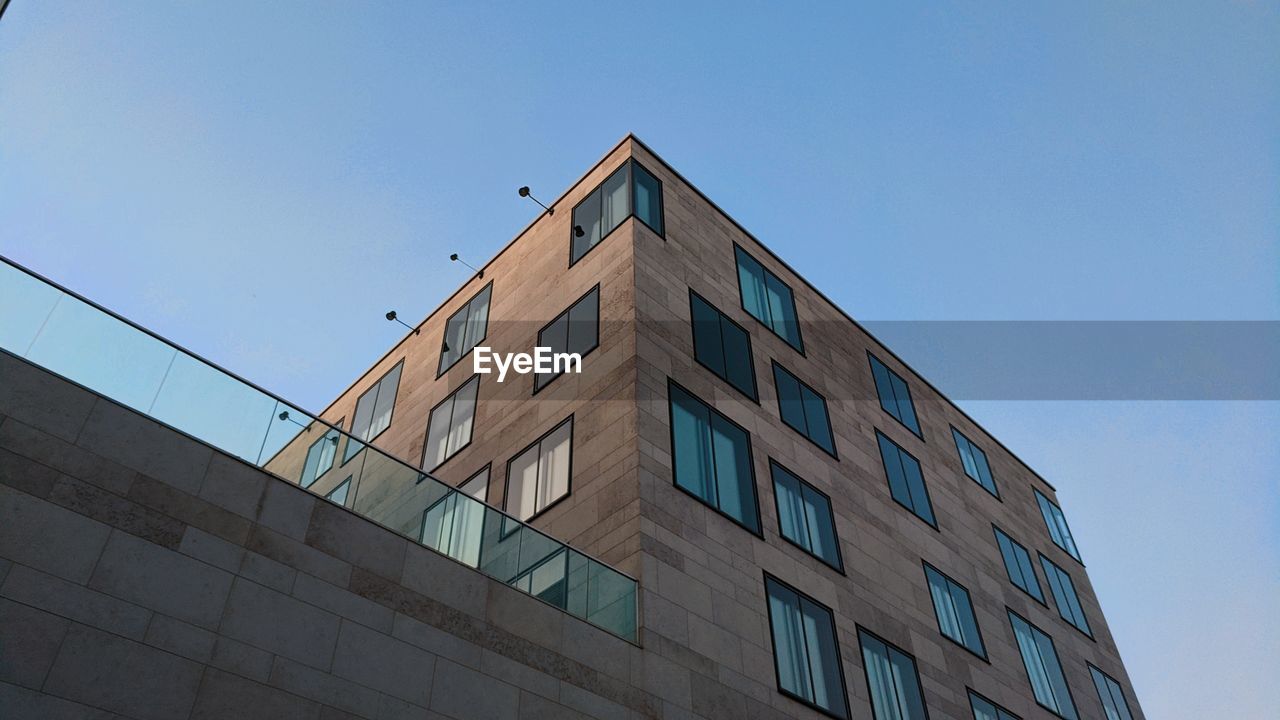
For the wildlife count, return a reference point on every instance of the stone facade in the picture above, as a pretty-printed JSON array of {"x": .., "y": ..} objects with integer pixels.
[{"x": 291, "y": 606}]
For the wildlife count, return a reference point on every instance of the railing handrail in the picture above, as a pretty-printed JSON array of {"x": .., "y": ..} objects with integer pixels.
[{"x": 315, "y": 418}]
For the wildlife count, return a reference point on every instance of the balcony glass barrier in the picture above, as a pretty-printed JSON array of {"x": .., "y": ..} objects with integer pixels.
[{"x": 87, "y": 344}]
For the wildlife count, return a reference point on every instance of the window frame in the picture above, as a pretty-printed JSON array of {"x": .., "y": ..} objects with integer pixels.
[
  {"x": 426, "y": 438},
  {"x": 742, "y": 303},
  {"x": 871, "y": 364},
  {"x": 924, "y": 483},
  {"x": 1057, "y": 656},
  {"x": 835, "y": 533},
  {"x": 751, "y": 460},
  {"x": 1041, "y": 501},
  {"x": 347, "y": 455},
  {"x": 993, "y": 493},
  {"x": 1123, "y": 695},
  {"x": 826, "y": 409},
  {"x": 333, "y": 462},
  {"x": 565, "y": 314},
  {"x": 1087, "y": 630},
  {"x": 631, "y": 206},
  {"x": 982, "y": 641},
  {"x": 345, "y": 483},
  {"x": 997, "y": 531},
  {"x": 506, "y": 483},
  {"x": 835, "y": 641},
  {"x": 751, "y": 360},
  {"x": 866, "y": 672},
  {"x": 440, "y": 371},
  {"x": 999, "y": 708}
]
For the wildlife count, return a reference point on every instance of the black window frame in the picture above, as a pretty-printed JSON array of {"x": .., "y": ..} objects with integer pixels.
[
  {"x": 997, "y": 531},
  {"x": 565, "y": 314},
  {"x": 835, "y": 533},
  {"x": 334, "y": 461},
  {"x": 871, "y": 364},
  {"x": 1077, "y": 556},
  {"x": 345, "y": 483},
  {"x": 773, "y": 647},
  {"x": 347, "y": 454},
  {"x": 751, "y": 460},
  {"x": 826, "y": 409},
  {"x": 866, "y": 673},
  {"x": 923, "y": 482},
  {"x": 625, "y": 165},
  {"x": 426, "y": 438},
  {"x": 1123, "y": 695},
  {"x": 1087, "y": 630},
  {"x": 983, "y": 656},
  {"x": 742, "y": 303},
  {"x": 999, "y": 708},
  {"x": 442, "y": 369},
  {"x": 993, "y": 493},
  {"x": 506, "y": 483},
  {"x": 1057, "y": 656},
  {"x": 754, "y": 396}
]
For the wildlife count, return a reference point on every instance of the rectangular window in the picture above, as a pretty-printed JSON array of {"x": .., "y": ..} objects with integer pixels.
[
  {"x": 906, "y": 483},
  {"x": 806, "y": 653},
  {"x": 975, "y": 462},
  {"x": 320, "y": 455},
  {"x": 630, "y": 190},
  {"x": 454, "y": 525},
  {"x": 449, "y": 429},
  {"x": 1044, "y": 672},
  {"x": 1057, "y": 524},
  {"x": 712, "y": 458},
  {"x": 1111, "y": 695},
  {"x": 722, "y": 346},
  {"x": 576, "y": 330},
  {"x": 1064, "y": 594},
  {"x": 895, "y": 396},
  {"x": 646, "y": 197},
  {"x": 373, "y": 411},
  {"x": 465, "y": 329},
  {"x": 540, "y": 474},
  {"x": 984, "y": 709},
  {"x": 803, "y": 409},
  {"x": 805, "y": 517},
  {"x": 768, "y": 299},
  {"x": 1017, "y": 562},
  {"x": 892, "y": 680},
  {"x": 339, "y": 493},
  {"x": 954, "y": 611}
]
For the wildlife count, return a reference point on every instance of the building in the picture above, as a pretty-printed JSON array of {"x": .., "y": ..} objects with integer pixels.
[{"x": 764, "y": 512}]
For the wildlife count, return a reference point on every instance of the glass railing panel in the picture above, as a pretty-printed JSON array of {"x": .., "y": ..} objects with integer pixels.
[
  {"x": 90, "y": 346},
  {"x": 25, "y": 304},
  {"x": 101, "y": 353},
  {"x": 204, "y": 402}
]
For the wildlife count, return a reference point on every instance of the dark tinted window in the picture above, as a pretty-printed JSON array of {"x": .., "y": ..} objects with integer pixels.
[
  {"x": 722, "y": 346},
  {"x": 975, "y": 462},
  {"x": 576, "y": 330},
  {"x": 906, "y": 483},
  {"x": 803, "y": 409},
  {"x": 895, "y": 396},
  {"x": 1017, "y": 562}
]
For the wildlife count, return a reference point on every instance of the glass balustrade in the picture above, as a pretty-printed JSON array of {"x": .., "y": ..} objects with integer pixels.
[{"x": 64, "y": 333}]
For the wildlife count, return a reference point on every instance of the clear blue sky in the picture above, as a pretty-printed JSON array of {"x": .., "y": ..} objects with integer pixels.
[{"x": 261, "y": 181}]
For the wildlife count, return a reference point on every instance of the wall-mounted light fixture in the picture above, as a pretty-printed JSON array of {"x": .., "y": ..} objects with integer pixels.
[
  {"x": 524, "y": 192},
  {"x": 391, "y": 315}
]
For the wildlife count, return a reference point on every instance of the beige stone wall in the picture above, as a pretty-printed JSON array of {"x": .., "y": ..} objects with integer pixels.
[{"x": 702, "y": 574}]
